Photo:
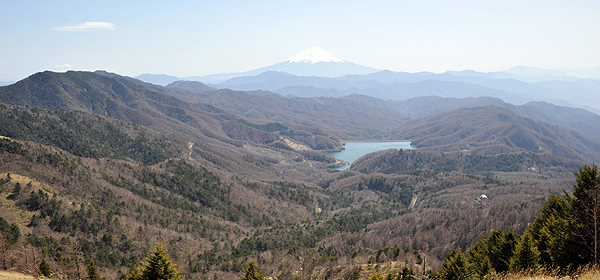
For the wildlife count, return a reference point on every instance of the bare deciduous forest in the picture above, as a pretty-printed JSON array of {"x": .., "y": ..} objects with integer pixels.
[{"x": 220, "y": 190}]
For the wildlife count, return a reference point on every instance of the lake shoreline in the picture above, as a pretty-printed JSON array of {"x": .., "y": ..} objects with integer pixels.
[
  {"x": 356, "y": 149},
  {"x": 377, "y": 141}
]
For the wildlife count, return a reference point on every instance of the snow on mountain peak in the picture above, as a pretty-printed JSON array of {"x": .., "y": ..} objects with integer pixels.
[{"x": 313, "y": 55}]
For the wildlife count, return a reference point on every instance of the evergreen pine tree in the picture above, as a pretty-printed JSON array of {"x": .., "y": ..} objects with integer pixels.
[
  {"x": 585, "y": 214},
  {"x": 376, "y": 276},
  {"x": 455, "y": 266},
  {"x": 9, "y": 234},
  {"x": 551, "y": 232},
  {"x": 406, "y": 274},
  {"x": 526, "y": 256},
  {"x": 500, "y": 247},
  {"x": 158, "y": 266},
  {"x": 485, "y": 267},
  {"x": 92, "y": 269},
  {"x": 45, "y": 269},
  {"x": 252, "y": 273},
  {"x": 135, "y": 273},
  {"x": 479, "y": 260}
]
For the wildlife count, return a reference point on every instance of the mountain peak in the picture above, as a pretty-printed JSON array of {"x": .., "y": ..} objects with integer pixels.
[{"x": 313, "y": 55}]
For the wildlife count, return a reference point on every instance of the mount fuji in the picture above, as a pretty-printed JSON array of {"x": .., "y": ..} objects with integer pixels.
[
  {"x": 314, "y": 61},
  {"x": 313, "y": 55}
]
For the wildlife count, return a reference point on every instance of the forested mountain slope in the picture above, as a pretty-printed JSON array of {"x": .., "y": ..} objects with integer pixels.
[
  {"x": 220, "y": 189},
  {"x": 149, "y": 105},
  {"x": 576, "y": 119},
  {"x": 91, "y": 136},
  {"x": 115, "y": 96},
  {"x": 351, "y": 111},
  {"x": 492, "y": 130},
  {"x": 71, "y": 209},
  {"x": 357, "y": 119}
]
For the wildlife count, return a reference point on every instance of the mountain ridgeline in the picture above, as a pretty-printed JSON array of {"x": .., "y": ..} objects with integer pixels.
[
  {"x": 130, "y": 100},
  {"x": 491, "y": 130},
  {"x": 515, "y": 88},
  {"x": 99, "y": 167}
]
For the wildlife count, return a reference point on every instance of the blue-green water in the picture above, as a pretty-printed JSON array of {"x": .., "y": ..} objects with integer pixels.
[{"x": 355, "y": 150}]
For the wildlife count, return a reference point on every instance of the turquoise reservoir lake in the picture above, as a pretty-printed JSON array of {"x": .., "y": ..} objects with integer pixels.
[{"x": 355, "y": 150}]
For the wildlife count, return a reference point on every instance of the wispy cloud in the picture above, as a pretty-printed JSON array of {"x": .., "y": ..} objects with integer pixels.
[
  {"x": 67, "y": 65},
  {"x": 87, "y": 26}
]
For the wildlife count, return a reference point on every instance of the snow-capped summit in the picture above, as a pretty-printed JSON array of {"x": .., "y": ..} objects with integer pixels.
[
  {"x": 313, "y": 55},
  {"x": 314, "y": 61}
]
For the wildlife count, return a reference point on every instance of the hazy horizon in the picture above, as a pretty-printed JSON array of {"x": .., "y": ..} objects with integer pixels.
[{"x": 190, "y": 38}]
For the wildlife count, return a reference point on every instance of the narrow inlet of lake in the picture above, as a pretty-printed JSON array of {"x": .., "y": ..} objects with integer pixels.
[{"x": 355, "y": 150}]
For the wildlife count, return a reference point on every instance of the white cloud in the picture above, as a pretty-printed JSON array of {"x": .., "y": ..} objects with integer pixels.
[
  {"x": 67, "y": 65},
  {"x": 87, "y": 26}
]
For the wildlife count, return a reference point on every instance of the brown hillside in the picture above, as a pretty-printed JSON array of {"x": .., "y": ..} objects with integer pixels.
[
  {"x": 492, "y": 130},
  {"x": 220, "y": 189},
  {"x": 357, "y": 119}
]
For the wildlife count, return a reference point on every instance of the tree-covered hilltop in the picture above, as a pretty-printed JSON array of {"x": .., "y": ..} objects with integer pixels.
[
  {"x": 491, "y": 130},
  {"x": 405, "y": 161},
  {"x": 131, "y": 100},
  {"x": 87, "y": 135}
]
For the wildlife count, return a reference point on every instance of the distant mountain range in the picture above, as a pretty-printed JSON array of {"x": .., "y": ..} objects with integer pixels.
[
  {"x": 314, "y": 61},
  {"x": 157, "y": 79},
  {"x": 591, "y": 73},
  {"x": 191, "y": 85},
  {"x": 512, "y": 88},
  {"x": 339, "y": 69},
  {"x": 317, "y": 73}
]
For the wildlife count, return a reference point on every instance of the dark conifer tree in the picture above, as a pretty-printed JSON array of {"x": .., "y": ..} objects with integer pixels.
[
  {"x": 45, "y": 269},
  {"x": 158, "y": 266},
  {"x": 455, "y": 266},
  {"x": 252, "y": 273},
  {"x": 92, "y": 269},
  {"x": 585, "y": 214},
  {"x": 500, "y": 248},
  {"x": 526, "y": 256},
  {"x": 551, "y": 232}
]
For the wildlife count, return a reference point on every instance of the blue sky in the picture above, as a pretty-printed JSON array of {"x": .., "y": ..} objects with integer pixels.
[{"x": 197, "y": 38}]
